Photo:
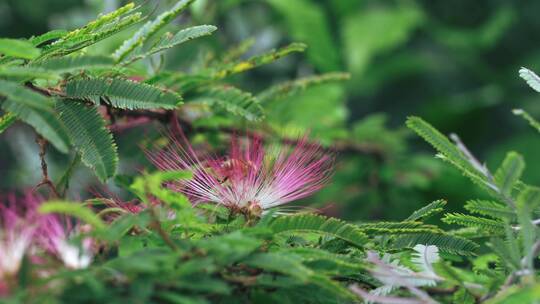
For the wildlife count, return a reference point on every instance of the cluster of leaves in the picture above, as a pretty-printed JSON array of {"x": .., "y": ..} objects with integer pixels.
[
  {"x": 170, "y": 251},
  {"x": 174, "y": 252},
  {"x": 448, "y": 67},
  {"x": 54, "y": 84},
  {"x": 506, "y": 222},
  {"x": 373, "y": 155}
]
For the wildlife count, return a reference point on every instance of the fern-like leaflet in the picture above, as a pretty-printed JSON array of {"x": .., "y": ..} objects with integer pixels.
[
  {"x": 90, "y": 137},
  {"x": 318, "y": 224},
  {"x": 123, "y": 94}
]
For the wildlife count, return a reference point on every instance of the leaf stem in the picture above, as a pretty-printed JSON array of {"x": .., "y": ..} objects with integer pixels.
[
  {"x": 42, "y": 142},
  {"x": 156, "y": 224}
]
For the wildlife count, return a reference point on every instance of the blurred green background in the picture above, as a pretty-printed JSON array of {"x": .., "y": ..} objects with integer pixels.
[{"x": 454, "y": 63}]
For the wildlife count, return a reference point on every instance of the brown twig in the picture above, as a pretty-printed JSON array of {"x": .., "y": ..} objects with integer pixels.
[
  {"x": 165, "y": 117},
  {"x": 130, "y": 124},
  {"x": 45, "y": 91},
  {"x": 134, "y": 120},
  {"x": 42, "y": 142}
]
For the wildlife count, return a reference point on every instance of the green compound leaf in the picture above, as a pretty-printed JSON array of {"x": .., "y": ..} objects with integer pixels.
[
  {"x": 531, "y": 78},
  {"x": 291, "y": 88},
  {"x": 90, "y": 137},
  {"x": 35, "y": 110},
  {"x": 18, "y": 48},
  {"x": 445, "y": 242},
  {"x": 490, "y": 208},
  {"x": 427, "y": 211},
  {"x": 449, "y": 152},
  {"x": 75, "y": 63},
  {"x": 47, "y": 37},
  {"x": 395, "y": 228},
  {"x": 123, "y": 94},
  {"x": 489, "y": 225},
  {"x": 169, "y": 40},
  {"x": 282, "y": 263},
  {"x": 104, "y": 26},
  {"x": 234, "y": 101},
  {"x": 440, "y": 142},
  {"x": 509, "y": 172},
  {"x": 532, "y": 122},
  {"x": 26, "y": 73},
  {"x": 258, "y": 60},
  {"x": 321, "y": 225},
  {"x": 149, "y": 29}
]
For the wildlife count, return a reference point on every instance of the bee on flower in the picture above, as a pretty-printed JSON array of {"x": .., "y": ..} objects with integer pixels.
[{"x": 250, "y": 179}]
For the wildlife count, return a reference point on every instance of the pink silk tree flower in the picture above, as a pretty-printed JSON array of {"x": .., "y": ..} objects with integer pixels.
[
  {"x": 250, "y": 178},
  {"x": 56, "y": 236},
  {"x": 18, "y": 223}
]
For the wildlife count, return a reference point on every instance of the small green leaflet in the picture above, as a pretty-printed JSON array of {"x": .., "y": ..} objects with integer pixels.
[
  {"x": 74, "y": 209},
  {"x": 169, "y": 40},
  {"x": 490, "y": 208},
  {"x": 235, "y": 101},
  {"x": 449, "y": 152},
  {"x": 255, "y": 61},
  {"x": 532, "y": 122},
  {"x": 90, "y": 137},
  {"x": 531, "y": 78},
  {"x": 428, "y": 210},
  {"x": 149, "y": 29},
  {"x": 73, "y": 63},
  {"x": 26, "y": 73},
  {"x": 509, "y": 172},
  {"x": 35, "y": 110},
  {"x": 281, "y": 262},
  {"x": 445, "y": 242},
  {"x": 6, "y": 120},
  {"x": 18, "y": 48},
  {"x": 290, "y": 88},
  {"x": 123, "y": 94},
  {"x": 97, "y": 30},
  {"x": 49, "y": 36},
  {"x": 311, "y": 223}
]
